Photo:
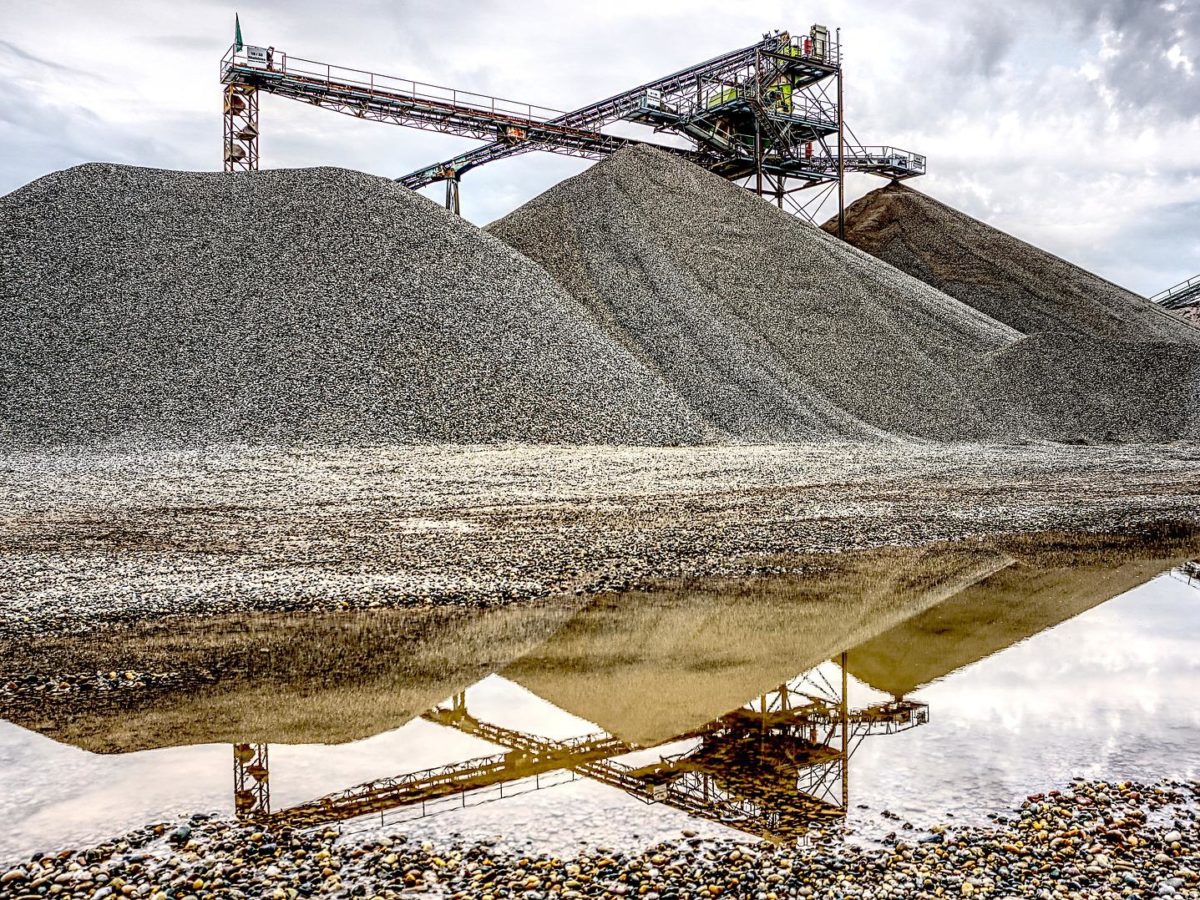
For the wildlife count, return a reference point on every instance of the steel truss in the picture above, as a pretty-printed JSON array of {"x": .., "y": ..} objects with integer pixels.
[
  {"x": 1185, "y": 294},
  {"x": 400, "y": 101},
  {"x": 769, "y": 115},
  {"x": 251, "y": 780},
  {"x": 1188, "y": 573},
  {"x": 241, "y": 128}
]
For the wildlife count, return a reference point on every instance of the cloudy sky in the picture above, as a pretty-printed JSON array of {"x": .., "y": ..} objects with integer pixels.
[{"x": 1074, "y": 124}]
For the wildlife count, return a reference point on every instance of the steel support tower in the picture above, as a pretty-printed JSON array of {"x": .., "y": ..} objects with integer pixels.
[
  {"x": 251, "y": 781},
  {"x": 241, "y": 128}
]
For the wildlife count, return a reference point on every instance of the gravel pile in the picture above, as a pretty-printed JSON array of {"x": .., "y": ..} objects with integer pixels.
[
  {"x": 776, "y": 331},
  {"x": 1082, "y": 389},
  {"x": 300, "y": 306},
  {"x": 1006, "y": 278},
  {"x": 770, "y": 329},
  {"x": 1098, "y": 363}
]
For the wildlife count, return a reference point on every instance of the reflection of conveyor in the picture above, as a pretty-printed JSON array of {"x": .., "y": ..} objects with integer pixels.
[
  {"x": 1188, "y": 573},
  {"x": 772, "y": 768}
]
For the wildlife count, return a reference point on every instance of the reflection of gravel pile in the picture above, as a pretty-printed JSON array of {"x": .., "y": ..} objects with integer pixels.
[
  {"x": 769, "y": 328},
  {"x": 312, "y": 305},
  {"x": 1099, "y": 362},
  {"x": 1010, "y": 280}
]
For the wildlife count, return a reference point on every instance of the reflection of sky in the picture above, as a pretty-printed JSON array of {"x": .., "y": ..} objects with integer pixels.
[{"x": 1108, "y": 694}]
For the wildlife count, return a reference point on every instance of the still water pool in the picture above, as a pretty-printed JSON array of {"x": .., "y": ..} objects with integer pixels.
[{"x": 853, "y": 696}]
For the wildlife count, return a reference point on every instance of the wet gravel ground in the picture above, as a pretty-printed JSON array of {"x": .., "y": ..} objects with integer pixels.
[
  {"x": 1091, "y": 840},
  {"x": 88, "y": 539}
]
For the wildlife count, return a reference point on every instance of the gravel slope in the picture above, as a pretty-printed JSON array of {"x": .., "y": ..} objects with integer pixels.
[
  {"x": 771, "y": 329},
  {"x": 292, "y": 306},
  {"x": 1006, "y": 278},
  {"x": 1078, "y": 388},
  {"x": 1098, "y": 363}
]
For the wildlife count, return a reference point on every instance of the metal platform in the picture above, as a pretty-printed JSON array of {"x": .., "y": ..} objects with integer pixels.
[{"x": 774, "y": 768}]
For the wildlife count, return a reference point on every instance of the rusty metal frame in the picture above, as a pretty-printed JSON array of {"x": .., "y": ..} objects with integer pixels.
[
  {"x": 241, "y": 128},
  {"x": 251, "y": 781}
]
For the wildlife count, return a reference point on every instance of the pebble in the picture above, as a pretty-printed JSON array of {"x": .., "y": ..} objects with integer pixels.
[{"x": 1050, "y": 862}]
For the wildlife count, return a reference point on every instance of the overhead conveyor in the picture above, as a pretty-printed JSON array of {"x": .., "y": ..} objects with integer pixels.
[
  {"x": 774, "y": 768},
  {"x": 769, "y": 115}
]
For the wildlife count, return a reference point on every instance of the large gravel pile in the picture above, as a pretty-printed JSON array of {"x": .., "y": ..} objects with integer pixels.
[
  {"x": 1010, "y": 280},
  {"x": 771, "y": 329},
  {"x": 302, "y": 306},
  {"x": 1097, "y": 362},
  {"x": 1077, "y": 388}
]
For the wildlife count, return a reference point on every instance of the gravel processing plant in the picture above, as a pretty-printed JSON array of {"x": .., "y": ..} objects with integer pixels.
[
  {"x": 649, "y": 301},
  {"x": 313, "y": 388},
  {"x": 296, "y": 454}
]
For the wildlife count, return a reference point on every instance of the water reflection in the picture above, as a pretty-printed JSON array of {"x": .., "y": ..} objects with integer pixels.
[
  {"x": 771, "y": 768},
  {"x": 1188, "y": 573},
  {"x": 684, "y": 700}
]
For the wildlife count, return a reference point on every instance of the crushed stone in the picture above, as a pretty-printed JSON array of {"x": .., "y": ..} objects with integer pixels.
[{"x": 305, "y": 306}]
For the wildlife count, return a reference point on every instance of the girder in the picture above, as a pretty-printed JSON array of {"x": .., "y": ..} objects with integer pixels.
[{"x": 759, "y": 112}]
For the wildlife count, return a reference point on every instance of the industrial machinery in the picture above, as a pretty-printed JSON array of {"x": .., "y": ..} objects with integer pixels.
[
  {"x": 1180, "y": 296},
  {"x": 769, "y": 116},
  {"x": 773, "y": 768}
]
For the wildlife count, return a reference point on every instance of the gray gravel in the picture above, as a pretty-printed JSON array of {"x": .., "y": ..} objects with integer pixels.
[
  {"x": 294, "y": 306},
  {"x": 104, "y": 537},
  {"x": 1097, "y": 363},
  {"x": 1094, "y": 839},
  {"x": 1080, "y": 388},
  {"x": 1009, "y": 280},
  {"x": 771, "y": 329}
]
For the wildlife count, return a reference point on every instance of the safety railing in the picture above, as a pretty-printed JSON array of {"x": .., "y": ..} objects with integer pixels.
[
  {"x": 779, "y": 100},
  {"x": 278, "y": 64},
  {"x": 1184, "y": 290}
]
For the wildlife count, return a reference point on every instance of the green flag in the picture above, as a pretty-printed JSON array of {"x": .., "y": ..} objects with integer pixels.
[{"x": 237, "y": 33}]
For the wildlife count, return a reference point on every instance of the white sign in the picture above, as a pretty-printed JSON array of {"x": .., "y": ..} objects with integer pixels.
[{"x": 256, "y": 55}]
